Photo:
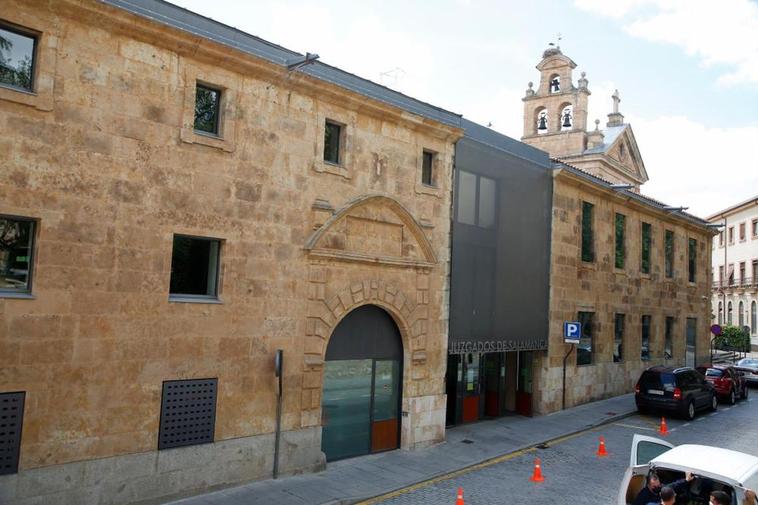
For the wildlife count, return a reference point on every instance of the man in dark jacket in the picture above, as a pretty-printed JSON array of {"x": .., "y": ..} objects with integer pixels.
[{"x": 651, "y": 493}]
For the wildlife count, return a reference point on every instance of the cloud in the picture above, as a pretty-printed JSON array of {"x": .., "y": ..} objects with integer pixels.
[
  {"x": 690, "y": 164},
  {"x": 717, "y": 33}
]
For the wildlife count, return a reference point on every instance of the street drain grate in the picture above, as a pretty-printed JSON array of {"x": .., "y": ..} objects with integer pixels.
[
  {"x": 467, "y": 441},
  {"x": 543, "y": 446}
]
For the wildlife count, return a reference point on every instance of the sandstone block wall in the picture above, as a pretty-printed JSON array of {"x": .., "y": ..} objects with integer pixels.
[
  {"x": 112, "y": 170},
  {"x": 601, "y": 288}
]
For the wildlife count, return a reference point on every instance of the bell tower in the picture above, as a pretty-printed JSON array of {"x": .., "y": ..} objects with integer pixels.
[{"x": 555, "y": 115}]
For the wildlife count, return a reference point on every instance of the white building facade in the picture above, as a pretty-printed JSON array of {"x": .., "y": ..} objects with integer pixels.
[{"x": 735, "y": 267}]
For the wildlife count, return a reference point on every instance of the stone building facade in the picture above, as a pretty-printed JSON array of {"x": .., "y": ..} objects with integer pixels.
[
  {"x": 633, "y": 271},
  {"x": 103, "y": 156},
  {"x": 735, "y": 267}
]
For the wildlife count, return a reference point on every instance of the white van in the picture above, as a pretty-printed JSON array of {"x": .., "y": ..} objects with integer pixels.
[{"x": 714, "y": 469}]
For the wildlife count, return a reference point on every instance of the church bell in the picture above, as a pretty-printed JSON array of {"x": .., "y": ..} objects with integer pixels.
[
  {"x": 542, "y": 126},
  {"x": 567, "y": 120}
]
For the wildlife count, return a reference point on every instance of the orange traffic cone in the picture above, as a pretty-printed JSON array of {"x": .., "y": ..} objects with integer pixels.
[
  {"x": 601, "y": 452},
  {"x": 459, "y": 498},
  {"x": 663, "y": 430},
  {"x": 537, "y": 474}
]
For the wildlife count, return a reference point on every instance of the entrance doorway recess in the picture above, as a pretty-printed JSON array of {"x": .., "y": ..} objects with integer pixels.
[
  {"x": 488, "y": 385},
  {"x": 362, "y": 385}
]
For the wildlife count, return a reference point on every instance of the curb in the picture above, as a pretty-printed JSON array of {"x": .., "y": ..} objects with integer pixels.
[{"x": 367, "y": 500}]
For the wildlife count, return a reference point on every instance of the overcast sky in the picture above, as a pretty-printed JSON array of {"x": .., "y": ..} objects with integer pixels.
[{"x": 687, "y": 70}]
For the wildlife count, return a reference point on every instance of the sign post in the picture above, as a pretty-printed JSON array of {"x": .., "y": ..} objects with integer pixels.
[
  {"x": 572, "y": 332},
  {"x": 278, "y": 372}
]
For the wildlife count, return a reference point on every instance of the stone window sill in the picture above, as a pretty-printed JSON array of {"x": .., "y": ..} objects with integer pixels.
[
  {"x": 323, "y": 166},
  {"x": 194, "y": 299},
  {"x": 426, "y": 189},
  {"x": 17, "y": 295},
  {"x": 192, "y": 136}
]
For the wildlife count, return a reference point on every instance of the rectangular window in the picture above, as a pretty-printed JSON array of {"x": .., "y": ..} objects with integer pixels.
[
  {"x": 476, "y": 200},
  {"x": 731, "y": 274},
  {"x": 669, "y": 253},
  {"x": 487, "y": 202},
  {"x": 620, "y": 240},
  {"x": 16, "y": 254},
  {"x": 755, "y": 272},
  {"x": 588, "y": 239},
  {"x": 647, "y": 235},
  {"x": 584, "y": 348},
  {"x": 194, "y": 267},
  {"x": 668, "y": 344},
  {"x": 692, "y": 256},
  {"x": 427, "y": 165},
  {"x": 207, "y": 108},
  {"x": 721, "y": 275},
  {"x": 721, "y": 238},
  {"x": 742, "y": 231},
  {"x": 754, "y": 228},
  {"x": 645, "y": 350},
  {"x": 618, "y": 338},
  {"x": 332, "y": 140},
  {"x": 17, "y": 54},
  {"x": 742, "y": 273},
  {"x": 730, "y": 235}
]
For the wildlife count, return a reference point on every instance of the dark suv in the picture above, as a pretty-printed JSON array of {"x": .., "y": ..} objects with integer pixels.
[{"x": 675, "y": 390}]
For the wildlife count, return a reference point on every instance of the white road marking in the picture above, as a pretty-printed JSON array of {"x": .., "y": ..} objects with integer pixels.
[
  {"x": 685, "y": 424},
  {"x": 635, "y": 427}
]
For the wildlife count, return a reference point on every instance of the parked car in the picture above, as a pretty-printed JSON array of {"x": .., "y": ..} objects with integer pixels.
[
  {"x": 677, "y": 390},
  {"x": 714, "y": 468},
  {"x": 749, "y": 366},
  {"x": 728, "y": 382}
]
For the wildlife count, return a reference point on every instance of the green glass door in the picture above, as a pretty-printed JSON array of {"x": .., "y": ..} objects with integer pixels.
[
  {"x": 384, "y": 425},
  {"x": 346, "y": 408}
]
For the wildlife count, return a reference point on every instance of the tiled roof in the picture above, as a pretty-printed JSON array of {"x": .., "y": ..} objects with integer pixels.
[
  {"x": 651, "y": 202},
  {"x": 191, "y": 22}
]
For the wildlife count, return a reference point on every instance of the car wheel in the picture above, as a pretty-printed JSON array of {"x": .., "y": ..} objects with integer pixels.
[
  {"x": 690, "y": 413},
  {"x": 714, "y": 402},
  {"x": 732, "y": 397},
  {"x": 642, "y": 410}
]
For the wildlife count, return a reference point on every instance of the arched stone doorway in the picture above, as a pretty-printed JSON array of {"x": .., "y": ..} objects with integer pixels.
[{"x": 362, "y": 394}]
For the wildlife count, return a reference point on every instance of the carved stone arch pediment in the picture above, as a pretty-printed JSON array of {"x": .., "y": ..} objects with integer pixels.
[
  {"x": 373, "y": 229},
  {"x": 624, "y": 149}
]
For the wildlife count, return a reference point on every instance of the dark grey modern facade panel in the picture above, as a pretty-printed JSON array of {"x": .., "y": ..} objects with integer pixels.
[{"x": 500, "y": 245}]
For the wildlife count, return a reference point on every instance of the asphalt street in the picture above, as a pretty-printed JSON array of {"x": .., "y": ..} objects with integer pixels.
[{"x": 573, "y": 473}]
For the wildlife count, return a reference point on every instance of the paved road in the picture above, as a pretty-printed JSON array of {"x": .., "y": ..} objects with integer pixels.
[{"x": 573, "y": 474}]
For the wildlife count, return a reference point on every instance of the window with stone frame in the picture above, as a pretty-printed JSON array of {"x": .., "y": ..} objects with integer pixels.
[
  {"x": 194, "y": 268},
  {"x": 668, "y": 253},
  {"x": 645, "y": 347},
  {"x": 588, "y": 234},
  {"x": 16, "y": 254},
  {"x": 618, "y": 337},
  {"x": 207, "y": 109},
  {"x": 730, "y": 235},
  {"x": 333, "y": 142},
  {"x": 692, "y": 259},
  {"x": 721, "y": 238},
  {"x": 427, "y": 167},
  {"x": 584, "y": 347},
  {"x": 742, "y": 231},
  {"x": 668, "y": 342},
  {"x": 17, "y": 58},
  {"x": 647, "y": 239},
  {"x": 620, "y": 254},
  {"x": 754, "y": 228}
]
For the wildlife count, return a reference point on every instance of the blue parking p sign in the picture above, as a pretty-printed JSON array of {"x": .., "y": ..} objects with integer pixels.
[{"x": 572, "y": 332}]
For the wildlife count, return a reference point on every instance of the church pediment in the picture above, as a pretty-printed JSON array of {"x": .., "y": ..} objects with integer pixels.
[
  {"x": 373, "y": 229},
  {"x": 624, "y": 152}
]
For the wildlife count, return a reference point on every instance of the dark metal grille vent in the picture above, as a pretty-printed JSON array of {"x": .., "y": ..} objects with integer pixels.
[
  {"x": 188, "y": 412},
  {"x": 11, "y": 419}
]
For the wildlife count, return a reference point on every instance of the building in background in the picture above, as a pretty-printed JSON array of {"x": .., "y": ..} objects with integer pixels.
[
  {"x": 633, "y": 271},
  {"x": 735, "y": 267},
  {"x": 180, "y": 200}
]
